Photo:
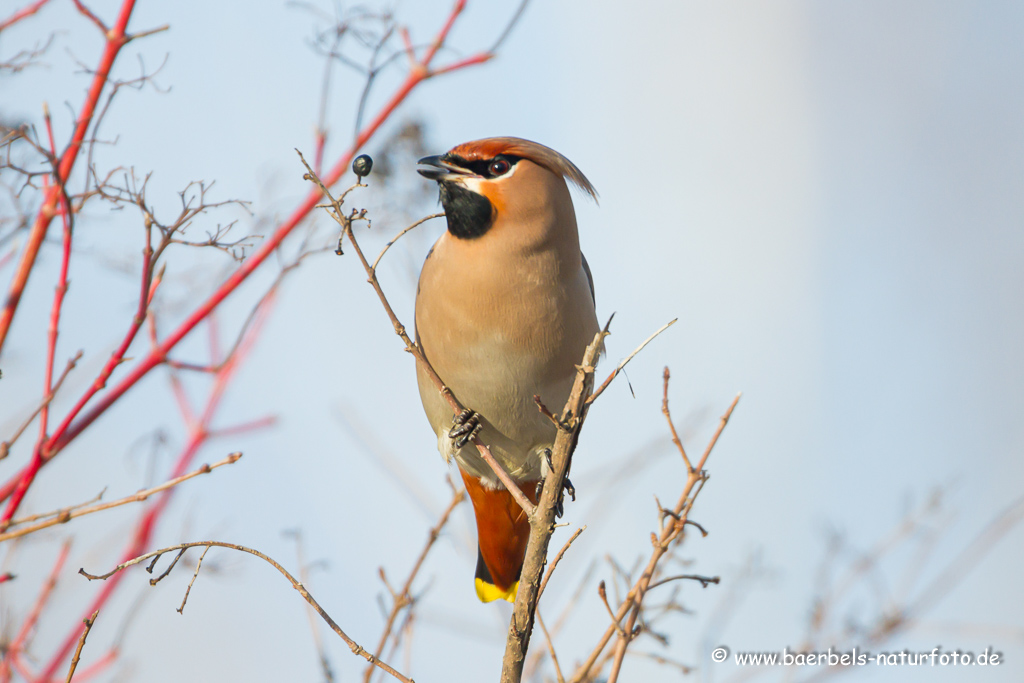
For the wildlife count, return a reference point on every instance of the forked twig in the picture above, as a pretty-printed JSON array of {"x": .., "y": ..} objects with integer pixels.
[{"x": 615, "y": 373}]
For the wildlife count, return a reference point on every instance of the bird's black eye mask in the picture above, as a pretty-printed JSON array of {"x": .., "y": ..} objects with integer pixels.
[{"x": 485, "y": 168}]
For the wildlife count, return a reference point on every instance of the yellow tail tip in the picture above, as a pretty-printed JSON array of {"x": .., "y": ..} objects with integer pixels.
[{"x": 488, "y": 592}]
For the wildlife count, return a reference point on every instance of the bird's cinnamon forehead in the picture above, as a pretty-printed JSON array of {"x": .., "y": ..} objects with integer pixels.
[
  {"x": 480, "y": 150},
  {"x": 488, "y": 148}
]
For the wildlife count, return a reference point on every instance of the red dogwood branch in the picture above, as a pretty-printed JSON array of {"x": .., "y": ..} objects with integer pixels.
[
  {"x": 51, "y": 349},
  {"x": 24, "y": 12},
  {"x": 21, "y": 640},
  {"x": 199, "y": 432},
  {"x": 116, "y": 39},
  {"x": 70, "y": 429}
]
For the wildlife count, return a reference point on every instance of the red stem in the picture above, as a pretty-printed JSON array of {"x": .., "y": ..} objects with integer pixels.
[
  {"x": 18, "y": 643},
  {"x": 198, "y": 435},
  {"x": 51, "y": 349},
  {"x": 145, "y": 298},
  {"x": 116, "y": 39},
  {"x": 68, "y": 430},
  {"x": 26, "y": 11}
]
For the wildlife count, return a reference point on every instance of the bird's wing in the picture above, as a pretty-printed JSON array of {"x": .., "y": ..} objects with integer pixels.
[{"x": 590, "y": 277}]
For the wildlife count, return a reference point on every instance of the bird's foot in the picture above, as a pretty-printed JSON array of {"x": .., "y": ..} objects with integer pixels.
[
  {"x": 567, "y": 486},
  {"x": 465, "y": 426}
]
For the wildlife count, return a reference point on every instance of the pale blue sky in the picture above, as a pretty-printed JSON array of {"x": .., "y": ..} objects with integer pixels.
[{"x": 826, "y": 194}]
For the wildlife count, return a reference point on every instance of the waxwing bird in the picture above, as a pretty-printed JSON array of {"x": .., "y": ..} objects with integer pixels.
[{"x": 504, "y": 311}]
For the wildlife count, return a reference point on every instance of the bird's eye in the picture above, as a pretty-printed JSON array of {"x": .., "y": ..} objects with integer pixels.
[{"x": 499, "y": 167}]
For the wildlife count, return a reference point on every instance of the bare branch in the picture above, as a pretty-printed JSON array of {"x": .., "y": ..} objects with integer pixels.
[
  {"x": 671, "y": 425},
  {"x": 67, "y": 514},
  {"x": 551, "y": 648},
  {"x": 353, "y": 646},
  {"x": 5, "y": 446},
  {"x": 633, "y": 602},
  {"x": 542, "y": 525}
]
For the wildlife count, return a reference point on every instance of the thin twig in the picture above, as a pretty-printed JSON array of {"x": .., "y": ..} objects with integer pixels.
[
  {"x": 66, "y": 515},
  {"x": 551, "y": 647},
  {"x": 538, "y": 655},
  {"x": 634, "y": 599},
  {"x": 615, "y": 373},
  {"x": 671, "y": 425},
  {"x": 165, "y": 573},
  {"x": 54, "y": 513},
  {"x": 181, "y": 610},
  {"x": 325, "y": 664},
  {"x": 704, "y": 580},
  {"x": 399, "y": 235},
  {"x": 81, "y": 643},
  {"x": 556, "y": 560},
  {"x": 14, "y": 648},
  {"x": 5, "y": 446},
  {"x": 602, "y": 592}
]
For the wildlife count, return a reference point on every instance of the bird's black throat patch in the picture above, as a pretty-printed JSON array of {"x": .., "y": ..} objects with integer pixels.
[{"x": 469, "y": 214}]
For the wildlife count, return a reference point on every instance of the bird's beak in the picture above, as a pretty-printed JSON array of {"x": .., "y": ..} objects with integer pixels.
[{"x": 440, "y": 169}]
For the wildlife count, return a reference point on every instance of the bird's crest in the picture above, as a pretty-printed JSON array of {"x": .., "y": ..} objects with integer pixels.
[{"x": 488, "y": 148}]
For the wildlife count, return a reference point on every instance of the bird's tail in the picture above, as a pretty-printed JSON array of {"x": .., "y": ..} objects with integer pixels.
[{"x": 502, "y": 532}]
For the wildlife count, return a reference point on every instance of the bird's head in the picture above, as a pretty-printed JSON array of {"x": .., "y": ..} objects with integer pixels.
[{"x": 485, "y": 181}]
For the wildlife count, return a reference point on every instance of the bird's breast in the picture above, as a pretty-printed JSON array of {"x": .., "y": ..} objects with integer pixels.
[{"x": 499, "y": 329}]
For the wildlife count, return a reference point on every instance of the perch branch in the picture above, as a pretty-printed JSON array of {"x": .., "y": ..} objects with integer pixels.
[
  {"x": 345, "y": 221},
  {"x": 542, "y": 525}
]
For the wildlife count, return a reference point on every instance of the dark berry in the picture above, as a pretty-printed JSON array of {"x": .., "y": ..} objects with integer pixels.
[{"x": 362, "y": 165}]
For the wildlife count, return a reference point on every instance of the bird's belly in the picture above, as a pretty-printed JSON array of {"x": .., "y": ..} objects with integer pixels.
[{"x": 498, "y": 380}]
